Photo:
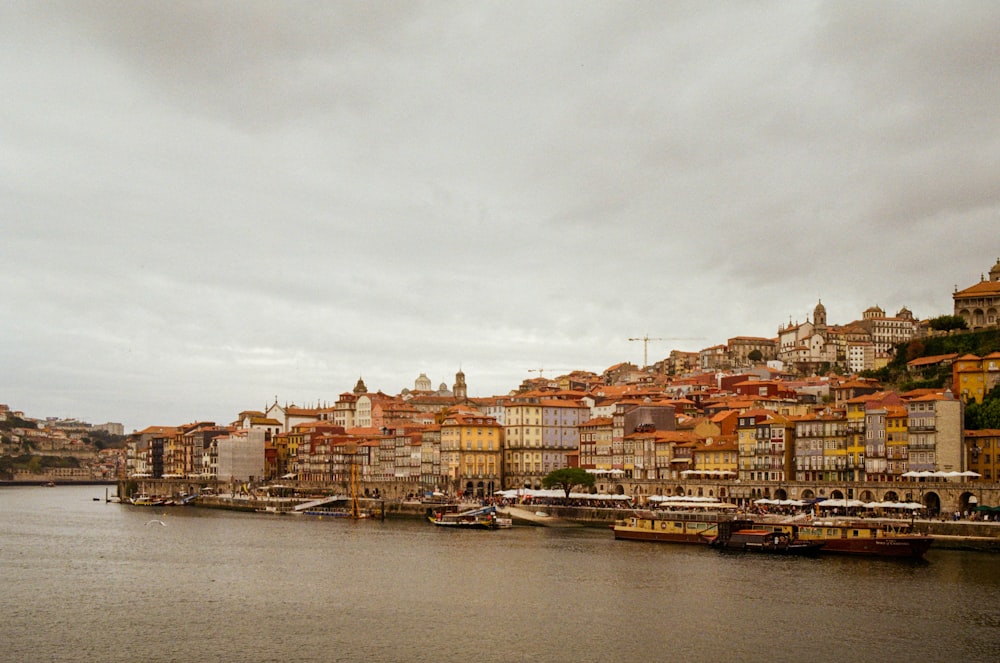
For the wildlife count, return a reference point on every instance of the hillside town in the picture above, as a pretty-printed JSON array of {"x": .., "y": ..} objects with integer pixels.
[{"x": 752, "y": 418}]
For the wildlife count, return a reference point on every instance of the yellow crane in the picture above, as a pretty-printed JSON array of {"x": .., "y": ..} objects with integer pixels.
[{"x": 647, "y": 338}]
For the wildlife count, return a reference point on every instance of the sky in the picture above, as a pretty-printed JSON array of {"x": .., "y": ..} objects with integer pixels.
[{"x": 208, "y": 207}]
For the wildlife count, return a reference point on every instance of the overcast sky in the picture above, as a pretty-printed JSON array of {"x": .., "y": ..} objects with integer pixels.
[{"x": 209, "y": 205}]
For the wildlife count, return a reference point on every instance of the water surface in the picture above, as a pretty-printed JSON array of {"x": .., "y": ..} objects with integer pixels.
[{"x": 86, "y": 580}]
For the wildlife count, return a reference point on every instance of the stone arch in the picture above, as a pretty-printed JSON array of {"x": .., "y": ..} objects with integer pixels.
[
  {"x": 836, "y": 495},
  {"x": 701, "y": 491},
  {"x": 890, "y": 496},
  {"x": 679, "y": 491},
  {"x": 808, "y": 494},
  {"x": 780, "y": 494},
  {"x": 866, "y": 496},
  {"x": 619, "y": 490},
  {"x": 932, "y": 502},
  {"x": 967, "y": 502},
  {"x": 711, "y": 493}
]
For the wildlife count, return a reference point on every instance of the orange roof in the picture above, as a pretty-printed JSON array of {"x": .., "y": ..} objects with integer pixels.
[{"x": 980, "y": 289}]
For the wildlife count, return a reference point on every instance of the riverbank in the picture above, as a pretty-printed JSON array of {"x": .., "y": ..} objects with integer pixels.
[{"x": 951, "y": 535}]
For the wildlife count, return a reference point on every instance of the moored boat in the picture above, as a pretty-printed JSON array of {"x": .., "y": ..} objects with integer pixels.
[
  {"x": 680, "y": 524},
  {"x": 149, "y": 500},
  {"x": 479, "y": 518},
  {"x": 856, "y": 537},
  {"x": 762, "y": 541}
]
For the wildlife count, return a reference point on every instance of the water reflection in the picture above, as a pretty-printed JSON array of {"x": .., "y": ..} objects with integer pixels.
[{"x": 93, "y": 578}]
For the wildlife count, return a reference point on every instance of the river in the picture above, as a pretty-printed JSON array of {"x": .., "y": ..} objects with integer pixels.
[{"x": 84, "y": 580}]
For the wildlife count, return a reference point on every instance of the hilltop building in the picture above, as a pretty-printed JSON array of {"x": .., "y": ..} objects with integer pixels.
[{"x": 979, "y": 305}]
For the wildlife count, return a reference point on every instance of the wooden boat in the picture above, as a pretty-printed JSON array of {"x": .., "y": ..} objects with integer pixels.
[
  {"x": 681, "y": 524},
  {"x": 478, "y": 518},
  {"x": 762, "y": 541},
  {"x": 148, "y": 500},
  {"x": 857, "y": 537}
]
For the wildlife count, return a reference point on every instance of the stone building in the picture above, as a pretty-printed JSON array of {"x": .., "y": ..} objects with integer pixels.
[{"x": 979, "y": 305}]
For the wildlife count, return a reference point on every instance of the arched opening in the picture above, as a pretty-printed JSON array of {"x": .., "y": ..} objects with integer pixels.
[
  {"x": 619, "y": 490},
  {"x": 701, "y": 491},
  {"x": 780, "y": 494},
  {"x": 679, "y": 490},
  {"x": 836, "y": 495},
  {"x": 968, "y": 502},
  {"x": 808, "y": 494},
  {"x": 866, "y": 496},
  {"x": 723, "y": 493},
  {"x": 932, "y": 503},
  {"x": 890, "y": 496},
  {"x": 711, "y": 493},
  {"x": 766, "y": 493},
  {"x": 469, "y": 489},
  {"x": 480, "y": 489}
]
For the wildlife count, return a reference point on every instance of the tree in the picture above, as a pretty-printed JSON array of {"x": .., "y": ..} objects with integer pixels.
[
  {"x": 568, "y": 477},
  {"x": 948, "y": 323},
  {"x": 755, "y": 355}
]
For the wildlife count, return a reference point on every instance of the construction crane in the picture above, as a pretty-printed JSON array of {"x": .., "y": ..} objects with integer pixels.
[{"x": 647, "y": 338}]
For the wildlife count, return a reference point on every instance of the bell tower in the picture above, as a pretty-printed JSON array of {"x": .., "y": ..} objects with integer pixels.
[{"x": 459, "y": 390}]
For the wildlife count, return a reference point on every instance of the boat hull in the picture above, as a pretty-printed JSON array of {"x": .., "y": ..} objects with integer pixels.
[{"x": 914, "y": 546}]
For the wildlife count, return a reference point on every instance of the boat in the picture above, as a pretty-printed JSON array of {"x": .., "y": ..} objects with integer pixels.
[
  {"x": 148, "y": 500},
  {"x": 846, "y": 536},
  {"x": 679, "y": 523},
  {"x": 478, "y": 518},
  {"x": 732, "y": 536}
]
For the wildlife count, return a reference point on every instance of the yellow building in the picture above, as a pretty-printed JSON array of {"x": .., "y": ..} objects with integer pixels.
[
  {"x": 717, "y": 455},
  {"x": 472, "y": 453},
  {"x": 974, "y": 377},
  {"x": 983, "y": 453},
  {"x": 897, "y": 440}
]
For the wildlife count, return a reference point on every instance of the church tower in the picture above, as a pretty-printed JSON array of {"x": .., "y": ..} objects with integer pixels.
[
  {"x": 459, "y": 390},
  {"x": 819, "y": 316},
  {"x": 360, "y": 388}
]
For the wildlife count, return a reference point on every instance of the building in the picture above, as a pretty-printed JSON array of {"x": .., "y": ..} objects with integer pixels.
[
  {"x": 973, "y": 377},
  {"x": 983, "y": 453},
  {"x": 472, "y": 453},
  {"x": 934, "y": 430},
  {"x": 240, "y": 456},
  {"x": 540, "y": 432},
  {"x": 885, "y": 333},
  {"x": 979, "y": 305}
]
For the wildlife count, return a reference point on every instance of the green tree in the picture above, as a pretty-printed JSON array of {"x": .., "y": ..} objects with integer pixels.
[
  {"x": 568, "y": 477},
  {"x": 985, "y": 415},
  {"x": 755, "y": 355},
  {"x": 948, "y": 323}
]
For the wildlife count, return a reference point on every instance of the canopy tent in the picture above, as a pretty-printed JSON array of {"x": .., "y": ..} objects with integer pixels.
[
  {"x": 927, "y": 474},
  {"x": 841, "y": 504},
  {"x": 611, "y": 472},
  {"x": 689, "y": 502},
  {"x": 765, "y": 501},
  {"x": 912, "y": 506},
  {"x": 709, "y": 473},
  {"x": 557, "y": 493}
]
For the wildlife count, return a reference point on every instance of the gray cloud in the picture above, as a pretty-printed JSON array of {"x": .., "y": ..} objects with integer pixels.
[{"x": 205, "y": 206}]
